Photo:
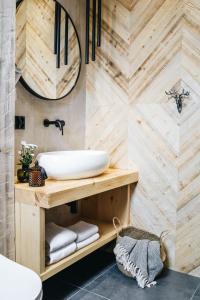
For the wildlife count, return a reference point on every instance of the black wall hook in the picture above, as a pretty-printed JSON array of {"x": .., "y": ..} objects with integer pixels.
[{"x": 178, "y": 98}]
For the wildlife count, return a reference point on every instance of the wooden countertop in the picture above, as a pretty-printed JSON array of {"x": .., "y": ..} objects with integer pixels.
[{"x": 56, "y": 193}]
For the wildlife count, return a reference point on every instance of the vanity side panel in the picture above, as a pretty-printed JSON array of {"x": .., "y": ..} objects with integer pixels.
[{"x": 30, "y": 235}]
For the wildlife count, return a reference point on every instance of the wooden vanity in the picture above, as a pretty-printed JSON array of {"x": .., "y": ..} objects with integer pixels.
[{"x": 100, "y": 199}]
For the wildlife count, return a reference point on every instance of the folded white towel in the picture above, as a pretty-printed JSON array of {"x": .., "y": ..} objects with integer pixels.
[
  {"x": 83, "y": 230},
  {"x": 58, "y": 237},
  {"x": 88, "y": 241},
  {"x": 55, "y": 256}
]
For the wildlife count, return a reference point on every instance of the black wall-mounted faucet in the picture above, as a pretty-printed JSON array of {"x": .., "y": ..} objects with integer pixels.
[{"x": 58, "y": 123}]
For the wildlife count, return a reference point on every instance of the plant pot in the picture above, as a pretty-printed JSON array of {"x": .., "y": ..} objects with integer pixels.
[{"x": 23, "y": 174}]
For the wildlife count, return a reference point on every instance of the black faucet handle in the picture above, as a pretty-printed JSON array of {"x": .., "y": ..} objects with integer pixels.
[{"x": 60, "y": 124}]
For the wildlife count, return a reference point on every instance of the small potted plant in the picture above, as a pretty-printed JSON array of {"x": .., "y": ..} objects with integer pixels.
[{"x": 26, "y": 154}]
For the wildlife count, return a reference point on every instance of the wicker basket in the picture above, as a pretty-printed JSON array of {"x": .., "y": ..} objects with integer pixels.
[{"x": 137, "y": 234}]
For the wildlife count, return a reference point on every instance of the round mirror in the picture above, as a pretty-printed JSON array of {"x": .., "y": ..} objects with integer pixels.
[{"x": 48, "y": 52}]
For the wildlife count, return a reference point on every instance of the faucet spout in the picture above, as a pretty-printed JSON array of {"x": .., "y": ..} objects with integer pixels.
[{"x": 58, "y": 123}]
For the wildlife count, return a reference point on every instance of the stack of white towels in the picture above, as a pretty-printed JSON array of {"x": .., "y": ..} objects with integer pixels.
[{"x": 61, "y": 241}]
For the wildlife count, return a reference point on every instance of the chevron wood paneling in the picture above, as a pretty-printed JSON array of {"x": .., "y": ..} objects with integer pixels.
[
  {"x": 155, "y": 60},
  {"x": 150, "y": 47},
  {"x": 108, "y": 88},
  {"x": 188, "y": 208},
  {"x": 35, "y": 49},
  {"x": 153, "y": 148}
]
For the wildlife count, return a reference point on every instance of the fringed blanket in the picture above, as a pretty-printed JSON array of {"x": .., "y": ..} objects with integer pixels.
[{"x": 141, "y": 258}]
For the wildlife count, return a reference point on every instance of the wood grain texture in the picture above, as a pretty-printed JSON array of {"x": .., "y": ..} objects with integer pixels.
[
  {"x": 7, "y": 100},
  {"x": 56, "y": 193},
  {"x": 98, "y": 209},
  {"x": 149, "y": 47},
  {"x": 188, "y": 205},
  {"x": 105, "y": 206},
  {"x": 35, "y": 49},
  {"x": 107, "y": 195},
  {"x": 30, "y": 236},
  {"x": 107, "y": 91}
]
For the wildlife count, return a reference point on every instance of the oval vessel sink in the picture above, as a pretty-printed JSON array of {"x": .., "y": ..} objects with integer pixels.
[{"x": 63, "y": 165}]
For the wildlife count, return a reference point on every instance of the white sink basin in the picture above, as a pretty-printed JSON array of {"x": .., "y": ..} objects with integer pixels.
[{"x": 63, "y": 165}]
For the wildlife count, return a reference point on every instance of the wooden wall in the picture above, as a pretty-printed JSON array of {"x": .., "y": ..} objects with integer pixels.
[
  {"x": 188, "y": 204},
  {"x": 150, "y": 46},
  {"x": 7, "y": 99}
]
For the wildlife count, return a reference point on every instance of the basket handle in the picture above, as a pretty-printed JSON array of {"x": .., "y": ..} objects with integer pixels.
[
  {"x": 163, "y": 235},
  {"x": 162, "y": 247},
  {"x": 117, "y": 225}
]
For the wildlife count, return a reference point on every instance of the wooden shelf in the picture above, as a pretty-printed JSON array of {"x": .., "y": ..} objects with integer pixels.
[
  {"x": 56, "y": 193},
  {"x": 107, "y": 234},
  {"x": 101, "y": 199}
]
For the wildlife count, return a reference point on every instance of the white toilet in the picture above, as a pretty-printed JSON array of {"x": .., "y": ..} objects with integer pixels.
[{"x": 18, "y": 282}]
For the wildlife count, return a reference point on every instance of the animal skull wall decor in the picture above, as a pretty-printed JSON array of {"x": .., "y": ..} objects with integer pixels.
[{"x": 178, "y": 97}]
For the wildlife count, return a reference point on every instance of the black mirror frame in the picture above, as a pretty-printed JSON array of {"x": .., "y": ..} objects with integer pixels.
[{"x": 30, "y": 90}]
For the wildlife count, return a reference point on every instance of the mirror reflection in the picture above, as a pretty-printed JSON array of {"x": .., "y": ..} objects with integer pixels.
[{"x": 48, "y": 49}]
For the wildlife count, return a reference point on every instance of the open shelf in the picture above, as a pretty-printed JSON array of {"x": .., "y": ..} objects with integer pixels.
[
  {"x": 100, "y": 198},
  {"x": 107, "y": 234}
]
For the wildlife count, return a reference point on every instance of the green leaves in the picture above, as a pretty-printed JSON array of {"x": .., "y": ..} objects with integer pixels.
[{"x": 27, "y": 153}]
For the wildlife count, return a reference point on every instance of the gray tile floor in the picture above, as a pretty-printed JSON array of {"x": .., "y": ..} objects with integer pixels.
[{"x": 97, "y": 277}]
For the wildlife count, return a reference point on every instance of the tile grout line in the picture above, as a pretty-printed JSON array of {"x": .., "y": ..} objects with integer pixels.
[
  {"x": 195, "y": 291},
  {"x": 87, "y": 291},
  {"x": 90, "y": 292},
  {"x": 87, "y": 284},
  {"x": 74, "y": 294},
  {"x": 100, "y": 296}
]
